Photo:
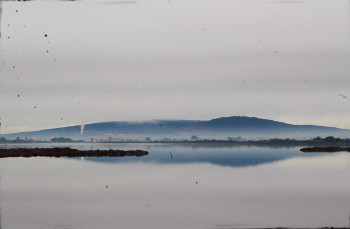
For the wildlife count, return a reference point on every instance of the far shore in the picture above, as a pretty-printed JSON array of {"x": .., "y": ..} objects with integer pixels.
[
  {"x": 275, "y": 142},
  {"x": 68, "y": 152},
  {"x": 324, "y": 149}
]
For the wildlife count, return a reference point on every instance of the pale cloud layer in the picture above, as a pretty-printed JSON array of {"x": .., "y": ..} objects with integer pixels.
[{"x": 196, "y": 59}]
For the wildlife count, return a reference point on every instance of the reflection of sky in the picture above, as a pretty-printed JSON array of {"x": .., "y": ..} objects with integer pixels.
[
  {"x": 296, "y": 192},
  {"x": 216, "y": 154},
  {"x": 231, "y": 156}
]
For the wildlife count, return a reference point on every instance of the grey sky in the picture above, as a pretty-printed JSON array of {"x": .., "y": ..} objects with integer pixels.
[{"x": 196, "y": 59}]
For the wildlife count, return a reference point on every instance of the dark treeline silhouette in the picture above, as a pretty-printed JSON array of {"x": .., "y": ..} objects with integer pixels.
[
  {"x": 329, "y": 141},
  {"x": 68, "y": 152},
  {"x": 18, "y": 140},
  {"x": 4, "y": 140},
  {"x": 61, "y": 139}
]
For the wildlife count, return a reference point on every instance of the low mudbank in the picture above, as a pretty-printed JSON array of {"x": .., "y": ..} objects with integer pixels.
[
  {"x": 324, "y": 149},
  {"x": 68, "y": 152}
]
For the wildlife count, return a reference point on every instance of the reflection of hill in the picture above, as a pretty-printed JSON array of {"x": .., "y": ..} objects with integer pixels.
[{"x": 232, "y": 157}]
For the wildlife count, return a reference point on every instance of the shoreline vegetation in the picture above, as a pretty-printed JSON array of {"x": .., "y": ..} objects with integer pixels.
[
  {"x": 324, "y": 149},
  {"x": 68, "y": 152},
  {"x": 275, "y": 142}
]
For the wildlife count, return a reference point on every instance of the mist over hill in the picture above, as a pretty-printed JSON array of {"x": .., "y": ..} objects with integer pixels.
[{"x": 219, "y": 128}]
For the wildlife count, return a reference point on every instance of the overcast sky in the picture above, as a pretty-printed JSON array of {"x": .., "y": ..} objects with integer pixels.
[{"x": 183, "y": 59}]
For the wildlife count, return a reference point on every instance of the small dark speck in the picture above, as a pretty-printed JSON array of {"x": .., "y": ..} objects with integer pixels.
[
  {"x": 61, "y": 119},
  {"x": 160, "y": 125},
  {"x": 18, "y": 95},
  {"x": 146, "y": 205},
  {"x": 196, "y": 182},
  {"x": 47, "y": 51},
  {"x": 275, "y": 52},
  {"x": 106, "y": 186},
  {"x": 13, "y": 66},
  {"x": 16, "y": 11},
  {"x": 343, "y": 96},
  {"x": 45, "y": 35},
  {"x": 8, "y": 37},
  {"x": 17, "y": 78},
  {"x": 34, "y": 107},
  {"x": 243, "y": 81}
]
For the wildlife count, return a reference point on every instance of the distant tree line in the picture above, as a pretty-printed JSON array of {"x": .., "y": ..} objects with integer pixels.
[
  {"x": 4, "y": 140},
  {"x": 62, "y": 140},
  {"x": 17, "y": 140},
  {"x": 318, "y": 141}
]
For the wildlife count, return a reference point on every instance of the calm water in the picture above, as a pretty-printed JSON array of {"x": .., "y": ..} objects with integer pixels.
[{"x": 177, "y": 186}]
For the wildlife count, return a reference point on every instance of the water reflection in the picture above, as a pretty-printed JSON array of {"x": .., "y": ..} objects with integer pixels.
[
  {"x": 167, "y": 153},
  {"x": 296, "y": 192},
  {"x": 221, "y": 156}
]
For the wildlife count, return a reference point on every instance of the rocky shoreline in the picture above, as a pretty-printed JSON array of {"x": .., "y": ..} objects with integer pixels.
[{"x": 68, "y": 152}]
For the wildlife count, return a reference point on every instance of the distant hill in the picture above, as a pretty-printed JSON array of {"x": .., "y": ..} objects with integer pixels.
[
  {"x": 253, "y": 124},
  {"x": 219, "y": 128}
]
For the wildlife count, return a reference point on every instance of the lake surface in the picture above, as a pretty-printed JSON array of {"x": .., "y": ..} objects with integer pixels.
[{"x": 176, "y": 186}]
